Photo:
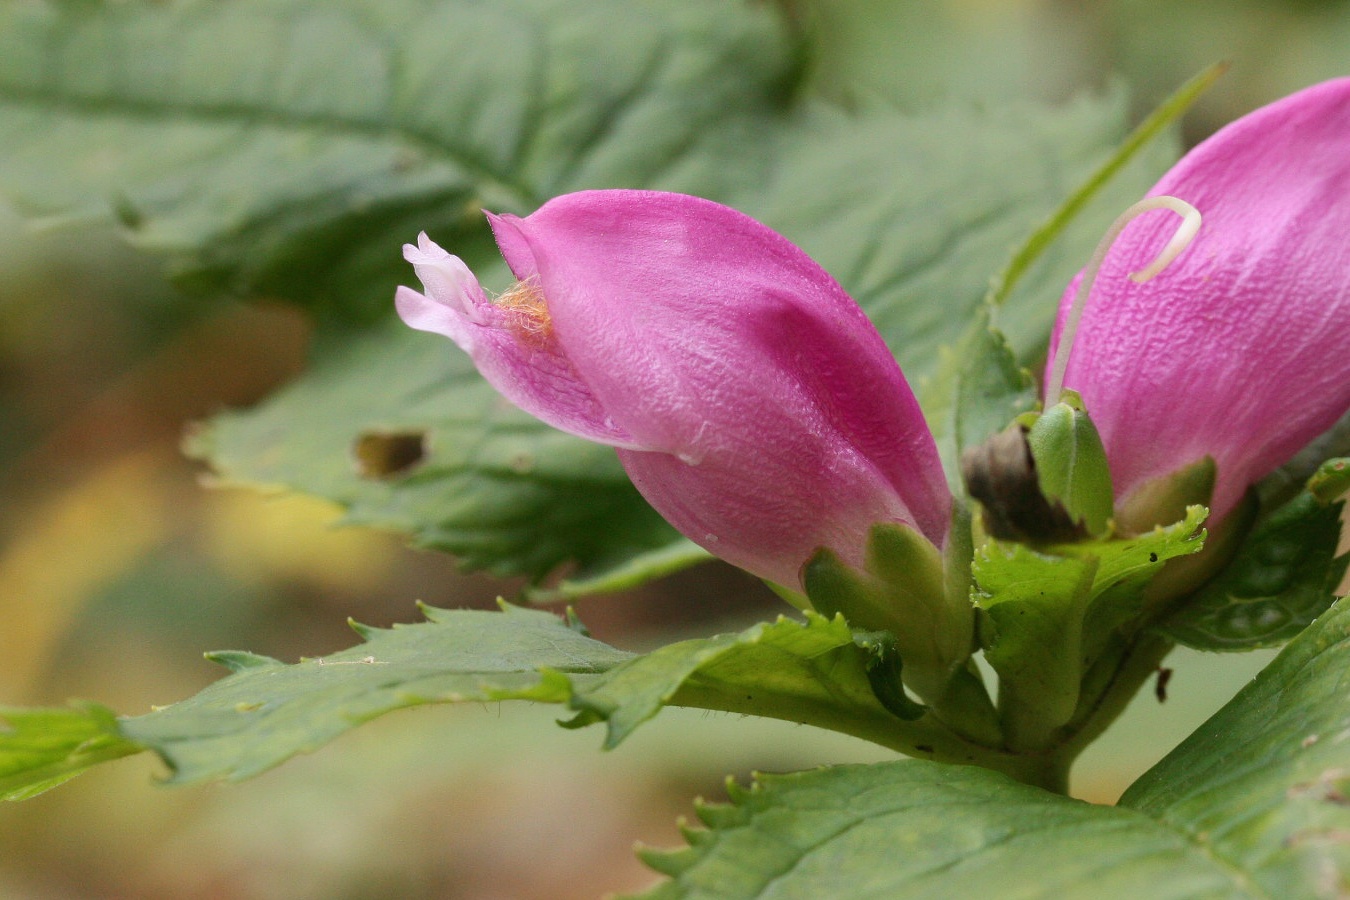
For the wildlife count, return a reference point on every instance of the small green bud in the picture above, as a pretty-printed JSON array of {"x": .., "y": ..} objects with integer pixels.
[
  {"x": 1331, "y": 481},
  {"x": 901, "y": 589},
  {"x": 1071, "y": 463},
  {"x": 1043, "y": 480}
]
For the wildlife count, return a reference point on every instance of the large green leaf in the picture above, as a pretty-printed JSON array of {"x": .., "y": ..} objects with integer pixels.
[
  {"x": 506, "y": 493},
  {"x": 913, "y": 829},
  {"x": 1263, "y": 785},
  {"x": 493, "y": 485},
  {"x": 817, "y": 672},
  {"x": 1253, "y": 805},
  {"x": 233, "y": 138},
  {"x": 267, "y": 711},
  {"x": 285, "y": 147}
]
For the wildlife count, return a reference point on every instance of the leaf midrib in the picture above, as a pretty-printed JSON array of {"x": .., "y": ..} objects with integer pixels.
[{"x": 240, "y": 116}]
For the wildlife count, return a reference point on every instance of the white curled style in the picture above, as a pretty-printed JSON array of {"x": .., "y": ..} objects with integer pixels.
[{"x": 1185, "y": 233}]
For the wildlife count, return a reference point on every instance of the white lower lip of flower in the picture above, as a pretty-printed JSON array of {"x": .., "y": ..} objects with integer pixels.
[{"x": 1185, "y": 233}]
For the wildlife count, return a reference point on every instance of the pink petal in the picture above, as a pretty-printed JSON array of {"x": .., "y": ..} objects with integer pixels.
[{"x": 536, "y": 375}]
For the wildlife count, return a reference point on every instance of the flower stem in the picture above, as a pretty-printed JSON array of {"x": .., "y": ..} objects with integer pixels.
[{"x": 1135, "y": 662}]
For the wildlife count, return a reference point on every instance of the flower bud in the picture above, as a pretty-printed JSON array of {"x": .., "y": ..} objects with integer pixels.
[
  {"x": 1240, "y": 351},
  {"x": 751, "y": 401}
]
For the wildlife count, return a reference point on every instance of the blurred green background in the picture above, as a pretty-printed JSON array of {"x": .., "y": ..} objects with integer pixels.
[{"x": 119, "y": 564}]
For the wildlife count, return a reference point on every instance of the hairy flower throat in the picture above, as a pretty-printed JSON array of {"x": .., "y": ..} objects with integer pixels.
[
  {"x": 527, "y": 314},
  {"x": 1185, "y": 233}
]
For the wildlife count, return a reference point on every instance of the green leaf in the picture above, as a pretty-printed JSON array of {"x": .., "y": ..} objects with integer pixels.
[
  {"x": 816, "y": 672},
  {"x": 493, "y": 485},
  {"x": 230, "y": 138},
  {"x": 992, "y": 389},
  {"x": 1144, "y": 134},
  {"x": 42, "y": 748},
  {"x": 1282, "y": 577},
  {"x": 917, "y": 829},
  {"x": 1253, "y": 805},
  {"x": 1034, "y": 609},
  {"x": 912, "y": 213},
  {"x": 506, "y": 493},
  {"x": 978, "y": 390},
  {"x": 784, "y": 669},
  {"x": 266, "y": 711},
  {"x": 1262, "y": 786},
  {"x": 234, "y": 139},
  {"x": 1050, "y": 613},
  {"x": 599, "y": 577}
]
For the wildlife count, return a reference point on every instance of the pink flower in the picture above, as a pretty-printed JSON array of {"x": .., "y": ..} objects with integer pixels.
[
  {"x": 750, "y": 399},
  {"x": 1240, "y": 351}
]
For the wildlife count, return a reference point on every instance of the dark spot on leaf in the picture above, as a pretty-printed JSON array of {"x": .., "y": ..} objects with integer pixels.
[
  {"x": 924, "y": 748},
  {"x": 406, "y": 159},
  {"x": 128, "y": 216},
  {"x": 1153, "y": 557},
  {"x": 386, "y": 454},
  {"x": 1329, "y": 787}
]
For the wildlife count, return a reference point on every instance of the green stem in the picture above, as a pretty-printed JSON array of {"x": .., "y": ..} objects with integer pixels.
[
  {"x": 964, "y": 707},
  {"x": 1047, "y": 771},
  {"x": 1137, "y": 662},
  {"x": 924, "y": 738}
]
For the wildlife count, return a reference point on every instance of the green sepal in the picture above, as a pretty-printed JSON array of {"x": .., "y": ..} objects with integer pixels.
[
  {"x": 788, "y": 595},
  {"x": 884, "y": 672},
  {"x": 1165, "y": 499},
  {"x": 901, "y": 589},
  {"x": 1071, "y": 465}
]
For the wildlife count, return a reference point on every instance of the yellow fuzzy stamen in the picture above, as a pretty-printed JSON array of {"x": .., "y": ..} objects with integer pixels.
[{"x": 526, "y": 311}]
